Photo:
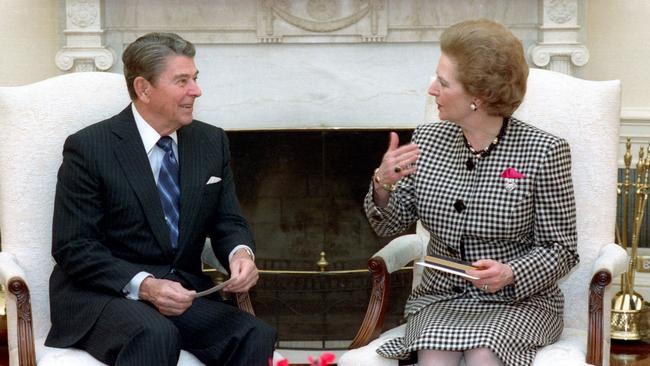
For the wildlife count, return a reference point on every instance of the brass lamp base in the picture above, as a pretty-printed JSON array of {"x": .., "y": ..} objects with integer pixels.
[{"x": 628, "y": 324}]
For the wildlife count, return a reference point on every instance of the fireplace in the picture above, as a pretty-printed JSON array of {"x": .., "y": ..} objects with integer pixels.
[{"x": 302, "y": 192}]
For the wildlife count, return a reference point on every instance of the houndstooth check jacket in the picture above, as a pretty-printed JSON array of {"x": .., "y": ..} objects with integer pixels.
[{"x": 528, "y": 223}]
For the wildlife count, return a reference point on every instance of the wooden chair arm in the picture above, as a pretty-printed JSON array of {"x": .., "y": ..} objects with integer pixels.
[
  {"x": 595, "y": 334},
  {"x": 377, "y": 305},
  {"x": 244, "y": 303},
  {"x": 243, "y": 300},
  {"x": 13, "y": 277},
  {"x": 26, "y": 352}
]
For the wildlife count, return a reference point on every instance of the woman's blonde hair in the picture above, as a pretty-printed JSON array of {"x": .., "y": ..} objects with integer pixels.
[{"x": 490, "y": 63}]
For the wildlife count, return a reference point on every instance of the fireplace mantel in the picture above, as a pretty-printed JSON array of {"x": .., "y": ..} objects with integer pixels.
[{"x": 314, "y": 63}]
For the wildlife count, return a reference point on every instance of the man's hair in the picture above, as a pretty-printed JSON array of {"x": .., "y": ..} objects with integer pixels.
[
  {"x": 490, "y": 63},
  {"x": 147, "y": 56}
]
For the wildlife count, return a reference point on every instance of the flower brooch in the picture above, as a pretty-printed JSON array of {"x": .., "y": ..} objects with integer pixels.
[{"x": 510, "y": 176}]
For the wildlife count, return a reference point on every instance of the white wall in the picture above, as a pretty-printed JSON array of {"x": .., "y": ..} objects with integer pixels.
[
  {"x": 29, "y": 35},
  {"x": 618, "y": 38}
]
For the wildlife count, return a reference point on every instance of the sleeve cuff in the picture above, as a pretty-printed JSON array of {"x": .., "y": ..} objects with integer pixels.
[
  {"x": 241, "y": 246},
  {"x": 132, "y": 289}
]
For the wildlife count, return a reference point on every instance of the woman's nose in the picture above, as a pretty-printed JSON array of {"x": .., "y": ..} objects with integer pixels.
[{"x": 433, "y": 88}]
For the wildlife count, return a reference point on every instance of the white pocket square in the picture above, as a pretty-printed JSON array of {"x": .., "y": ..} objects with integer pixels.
[{"x": 213, "y": 180}]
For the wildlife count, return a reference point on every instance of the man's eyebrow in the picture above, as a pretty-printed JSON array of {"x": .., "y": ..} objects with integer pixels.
[{"x": 185, "y": 75}]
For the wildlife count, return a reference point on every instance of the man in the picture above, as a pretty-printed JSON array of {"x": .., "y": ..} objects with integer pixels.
[{"x": 136, "y": 197}]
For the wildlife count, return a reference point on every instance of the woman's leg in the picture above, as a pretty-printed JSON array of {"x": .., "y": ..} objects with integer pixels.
[
  {"x": 481, "y": 357},
  {"x": 431, "y": 357}
]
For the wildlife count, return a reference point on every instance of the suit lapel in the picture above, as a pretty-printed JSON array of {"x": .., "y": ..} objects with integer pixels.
[
  {"x": 133, "y": 159},
  {"x": 193, "y": 173}
]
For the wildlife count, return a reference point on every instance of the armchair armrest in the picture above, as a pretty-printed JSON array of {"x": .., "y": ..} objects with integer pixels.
[
  {"x": 612, "y": 260},
  {"x": 9, "y": 268},
  {"x": 395, "y": 255},
  {"x": 242, "y": 298},
  {"x": 400, "y": 251},
  {"x": 12, "y": 277}
]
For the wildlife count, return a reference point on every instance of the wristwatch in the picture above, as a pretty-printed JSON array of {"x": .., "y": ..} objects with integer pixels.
[{"x": 249, "y": 252}]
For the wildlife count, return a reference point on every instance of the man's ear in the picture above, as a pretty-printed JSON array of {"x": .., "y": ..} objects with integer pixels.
[{"x": 141, "y": 87}]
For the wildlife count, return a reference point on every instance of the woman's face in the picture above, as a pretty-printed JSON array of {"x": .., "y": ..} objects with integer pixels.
[{"x": 452, "y": 100}]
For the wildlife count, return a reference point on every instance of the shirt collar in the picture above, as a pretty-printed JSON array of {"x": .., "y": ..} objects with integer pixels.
[{"x": 149, "y": 136}]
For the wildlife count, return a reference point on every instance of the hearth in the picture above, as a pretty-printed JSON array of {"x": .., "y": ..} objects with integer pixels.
[{"x": 302, "y": 192}]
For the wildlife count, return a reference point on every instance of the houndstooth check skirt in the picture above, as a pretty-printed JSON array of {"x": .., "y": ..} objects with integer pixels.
[{"x": 513, "y": 333}]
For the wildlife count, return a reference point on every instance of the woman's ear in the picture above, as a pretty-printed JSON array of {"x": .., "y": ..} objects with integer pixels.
[{"x": 141, "y": 87}]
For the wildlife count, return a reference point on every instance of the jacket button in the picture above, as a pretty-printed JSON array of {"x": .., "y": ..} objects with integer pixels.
[{"x": 458, "y": 289}]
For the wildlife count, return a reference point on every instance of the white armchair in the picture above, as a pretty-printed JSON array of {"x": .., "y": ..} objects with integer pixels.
[
  {"x": 35, "y": 120},
  {"x": 586, "y": 113}
]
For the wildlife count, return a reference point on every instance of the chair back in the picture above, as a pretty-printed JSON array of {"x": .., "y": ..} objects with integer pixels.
[
  {"x": 586, "y": 114},
  {"x": 35, "y": 120}
]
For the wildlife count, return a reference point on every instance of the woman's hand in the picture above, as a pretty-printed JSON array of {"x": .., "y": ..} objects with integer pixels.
[
  {"x": 398, "y": 162},
  {"x": 493, "y": 275}
]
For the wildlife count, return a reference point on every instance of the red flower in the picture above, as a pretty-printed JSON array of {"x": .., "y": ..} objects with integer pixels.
[
  {"x": 325, "y": 358},
  {"x": 282, "y": 362},
  {"x": 512, "y": 173}
]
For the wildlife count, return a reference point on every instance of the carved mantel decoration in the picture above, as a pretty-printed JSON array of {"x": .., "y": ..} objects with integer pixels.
[
  {"x": 558, "y": 48},
  {"x": 322, "y": 16},
  {"x": 549, "y": 29},
  {"x": 84, "y": 49}
]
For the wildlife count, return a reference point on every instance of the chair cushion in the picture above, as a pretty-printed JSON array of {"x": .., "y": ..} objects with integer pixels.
[
  {"x": 367, "y": 356},
  {"x": 569, "y": 350},
  {"x": 50, "y": 356}
]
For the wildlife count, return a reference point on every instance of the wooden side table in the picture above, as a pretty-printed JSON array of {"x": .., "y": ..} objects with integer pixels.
[{"x": 629, "y": 353}]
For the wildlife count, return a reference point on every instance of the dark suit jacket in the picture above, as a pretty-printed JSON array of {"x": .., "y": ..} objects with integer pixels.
[{"x": 109, "y": 223}]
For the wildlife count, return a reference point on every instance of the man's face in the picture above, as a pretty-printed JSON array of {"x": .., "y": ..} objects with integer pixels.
[{"x": 171, "y": 97}]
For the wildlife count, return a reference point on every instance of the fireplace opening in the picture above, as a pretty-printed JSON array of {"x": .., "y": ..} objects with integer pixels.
[{"x": 302, "y": 192}]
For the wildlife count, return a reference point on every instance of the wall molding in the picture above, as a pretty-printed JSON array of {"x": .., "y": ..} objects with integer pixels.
[
  {"x": 549, "y": 28},
  {"x": 558, "y": 47},
  {"x": 635, "y": 124},
  {"x": 84, "y": 49}
]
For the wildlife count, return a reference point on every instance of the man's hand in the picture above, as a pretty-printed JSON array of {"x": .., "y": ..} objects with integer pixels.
[
  {"x": 169, "y": 297},
  {"x": 243, "y": 272}
]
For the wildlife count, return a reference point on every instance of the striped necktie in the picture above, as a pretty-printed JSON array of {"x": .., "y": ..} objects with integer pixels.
[{"x": 169, "y": 188}]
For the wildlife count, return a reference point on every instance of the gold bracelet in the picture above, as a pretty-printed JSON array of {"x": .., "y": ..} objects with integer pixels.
[{"x": 387, "y": 187}]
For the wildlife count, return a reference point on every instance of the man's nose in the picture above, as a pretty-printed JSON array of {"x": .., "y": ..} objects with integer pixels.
[{"x": 195, "y": 90}]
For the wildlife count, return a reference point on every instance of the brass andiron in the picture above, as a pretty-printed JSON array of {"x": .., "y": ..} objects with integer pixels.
[
  {"x": 629, "y": 319},
  {"x": 322, "y": 262}
]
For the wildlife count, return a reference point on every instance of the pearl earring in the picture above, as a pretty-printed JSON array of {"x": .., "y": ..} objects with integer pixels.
[{"x": 473, "y": 106}]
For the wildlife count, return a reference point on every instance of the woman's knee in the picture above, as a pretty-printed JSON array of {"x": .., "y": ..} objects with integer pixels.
[{"x": 481, "y": 357}]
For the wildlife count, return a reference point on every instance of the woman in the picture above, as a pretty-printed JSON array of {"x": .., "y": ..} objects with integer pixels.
[{"x": 491, "y": 190}]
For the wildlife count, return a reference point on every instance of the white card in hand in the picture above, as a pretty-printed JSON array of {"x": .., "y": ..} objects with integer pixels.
[
  {"x": 213, "y": 289},
  {"x": 457, "y": 272}
]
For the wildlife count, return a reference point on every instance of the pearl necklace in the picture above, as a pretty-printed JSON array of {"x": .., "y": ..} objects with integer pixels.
[{"x": 470, "y": 164}]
